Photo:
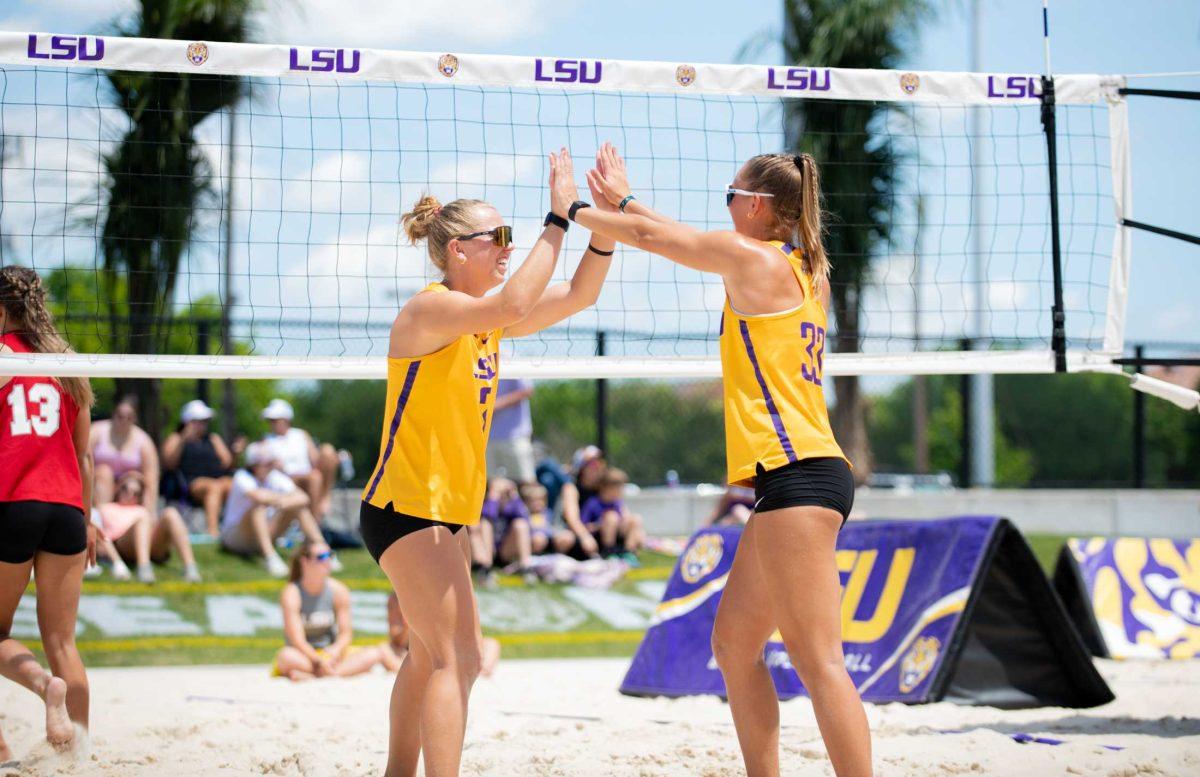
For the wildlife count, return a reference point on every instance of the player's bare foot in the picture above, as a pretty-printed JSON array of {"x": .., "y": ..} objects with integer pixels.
[{"x": 59, "y": 731}]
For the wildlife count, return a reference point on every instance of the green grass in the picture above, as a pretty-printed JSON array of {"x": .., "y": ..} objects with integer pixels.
[{"x": 228, "y": 574}]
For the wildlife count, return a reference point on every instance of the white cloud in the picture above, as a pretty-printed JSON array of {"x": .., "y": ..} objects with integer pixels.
[
  {"x": 388, "y": 24},
  {"x": 67, "y": 15}
]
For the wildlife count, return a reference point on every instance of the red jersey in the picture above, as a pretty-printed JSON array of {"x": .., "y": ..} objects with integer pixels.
[{"x": 38, "y": 462}]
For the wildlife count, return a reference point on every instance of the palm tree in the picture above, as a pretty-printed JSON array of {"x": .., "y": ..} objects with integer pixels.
[
  {"x": 858, "y": 167},
  {"x": 158, "y": 177}
]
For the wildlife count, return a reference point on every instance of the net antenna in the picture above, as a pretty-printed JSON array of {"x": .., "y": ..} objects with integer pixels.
[{"x": 301, "y": 270}]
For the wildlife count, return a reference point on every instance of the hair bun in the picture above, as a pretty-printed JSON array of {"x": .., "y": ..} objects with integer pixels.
[{"x": 417, "y": 222}]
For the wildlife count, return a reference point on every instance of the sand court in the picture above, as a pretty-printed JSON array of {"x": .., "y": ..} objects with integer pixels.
[{"x": 565, "y": 717}]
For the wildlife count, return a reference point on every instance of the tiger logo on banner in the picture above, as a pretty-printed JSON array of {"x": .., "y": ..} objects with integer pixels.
[
  {"x": 1145, "y": 594},
  {"x": 702, "y": 557},
  {"x": 919, "y": 662}
]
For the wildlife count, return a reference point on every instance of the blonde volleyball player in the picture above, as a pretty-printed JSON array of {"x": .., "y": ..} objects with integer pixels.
[
  {"x": 778, "y": 440},
  {"x": 430, "y": 478}
]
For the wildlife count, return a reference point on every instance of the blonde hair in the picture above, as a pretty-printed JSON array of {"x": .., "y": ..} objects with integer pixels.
[
  {"x": 438, "y": 224},
  {"x": 795, "y": 183},
  {"x": 24, "y": 298}
]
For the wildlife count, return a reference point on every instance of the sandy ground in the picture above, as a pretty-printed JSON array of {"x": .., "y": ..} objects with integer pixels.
[{"x": 565, "y": 717}]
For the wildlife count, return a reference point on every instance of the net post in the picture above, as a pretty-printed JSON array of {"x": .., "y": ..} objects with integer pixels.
[
  {"x": 202, "y": 336},
  {"x": 1139, "y": 429},
  {"x": 1058, "y": 335},
  {"x": 966, "y": 474},
  {"x": 601, "y": 400}
]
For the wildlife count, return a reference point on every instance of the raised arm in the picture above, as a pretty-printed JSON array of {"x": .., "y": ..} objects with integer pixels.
[
  {"x": 563, "y": 300},
  {"x": 431, "y": 321},
  {"x": 725, "y": 253}
]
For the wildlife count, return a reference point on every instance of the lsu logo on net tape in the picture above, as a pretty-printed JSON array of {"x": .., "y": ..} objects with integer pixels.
[
  {"x": 197, "y": 53},
  {"x": 910, "y": 83},
  {"x": 702, "y": 557},
  {"x": 685, "y": 75},
  {"x": 448, "y": 65}
]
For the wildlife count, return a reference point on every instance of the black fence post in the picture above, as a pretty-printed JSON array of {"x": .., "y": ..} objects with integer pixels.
[
  {"x": 966, "y": 475},
  {"x": 1139, "y": 431},
  {"x": 202, "y": 334},
  {"x": 601, "y": 401}
]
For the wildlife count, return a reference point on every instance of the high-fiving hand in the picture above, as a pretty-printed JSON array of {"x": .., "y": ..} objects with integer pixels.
[
  {"x": 563, "y": 190},
  {"x": 608, "y": 179}
]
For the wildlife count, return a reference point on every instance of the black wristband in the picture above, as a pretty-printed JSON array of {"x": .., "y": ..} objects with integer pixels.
[
  {"x": 553, "y": 219},
  {"x": 575, "y": 206},
  {"x": 598, "y": 252},
  {"x": 628, "y": 199}
]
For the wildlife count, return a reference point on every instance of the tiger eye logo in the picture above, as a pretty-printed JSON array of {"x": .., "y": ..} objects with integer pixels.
[
  {"x": 910, "y": 83},
  {"x": 685, "y": 75},
  {"x": 918, "y": 662},
  {"x": 197, "y": 53},
  {"x": 448, "y": 65},
  {"x": 702, "y": 557}
]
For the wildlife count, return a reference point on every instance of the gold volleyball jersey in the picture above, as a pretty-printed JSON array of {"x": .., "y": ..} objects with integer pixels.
[
  {"x": 773, "y": 368},
  {"x": 439, "y": 410}
]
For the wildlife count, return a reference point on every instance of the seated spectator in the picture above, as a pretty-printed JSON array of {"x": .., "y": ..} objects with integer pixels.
[
  {"x": 118, "y": 446},
  {"x": 201, "y": 460},
  {"x": 263, "y": 503},
  {"x": 606, "y": 516},
  {"x": 133, "y": 534},
  {"x": 481, "y": 539},
  {"x": 503, "y": 508},
  {"x": 588, "y": 471},
  {"x": 313, "y": 468},
  {"x": 544, "y": 537},
  {"x": 734, "y": 508},
  {"x": 399, "y": 641},
  {"x": 316, "y": 621}
]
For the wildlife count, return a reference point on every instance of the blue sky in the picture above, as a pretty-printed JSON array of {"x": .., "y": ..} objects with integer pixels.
[{"x": 1100, "y": 36}]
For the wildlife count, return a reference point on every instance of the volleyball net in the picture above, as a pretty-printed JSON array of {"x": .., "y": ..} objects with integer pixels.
[{"x": 232, "y": 210}]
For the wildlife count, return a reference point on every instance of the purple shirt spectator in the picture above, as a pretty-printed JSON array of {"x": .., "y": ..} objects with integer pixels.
[
  {"x": 594, "y": 509},
  {"x": 512, "y": 422}
]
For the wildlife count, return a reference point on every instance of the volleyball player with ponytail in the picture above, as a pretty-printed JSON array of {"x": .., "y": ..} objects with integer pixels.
[
  {"x": 429, "y": 482},
  {"x": 45, "y": 485},
  {"x": 778, "y": 440}
]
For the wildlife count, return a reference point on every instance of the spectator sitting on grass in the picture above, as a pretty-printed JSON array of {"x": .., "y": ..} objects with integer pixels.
[
  {"x": 589, "y": 467},
  {"x": 316, "y": 622},
  {"x": 734, "y": 508},
  {"x": 119, "y": 446},
  {"x": 399, "y": 642},
  {"x": 262, "y": 504},
  {"x": 543, "y": 536},
  {"x": 312, "y": 468},
  {"x": 133, "y": 534},
  {"x": 201, "y": 459},
  {"x": 606, "y": 516}
]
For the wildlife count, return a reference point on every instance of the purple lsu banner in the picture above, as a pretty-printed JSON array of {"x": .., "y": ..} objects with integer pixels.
[
  {"x": 1144, "y": 594},
  {"x": 905, "y": 586}
]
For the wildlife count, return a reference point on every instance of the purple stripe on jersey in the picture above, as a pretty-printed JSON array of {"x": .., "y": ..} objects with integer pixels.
[
  {"x": 721, "y": 328},
  {"x": 762, "y": 384},
  {"x": 401, "y": 401},
  {"x": 787, "y": 248}
]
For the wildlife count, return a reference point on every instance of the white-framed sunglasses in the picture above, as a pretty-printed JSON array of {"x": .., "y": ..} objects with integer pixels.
[{"x": 731, "y": 192}]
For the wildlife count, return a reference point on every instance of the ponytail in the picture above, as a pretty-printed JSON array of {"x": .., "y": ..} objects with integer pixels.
[
  {"x": 24, "y": 299},
  {"x": 794, "y": 182},
  {"x": 810, "y": 226}
]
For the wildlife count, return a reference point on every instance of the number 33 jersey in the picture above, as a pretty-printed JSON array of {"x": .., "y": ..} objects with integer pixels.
[
  {"x": 38, "y": 462},
  {"x": 773, "y": 368},
  {"x": 435, "y": 430}
]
